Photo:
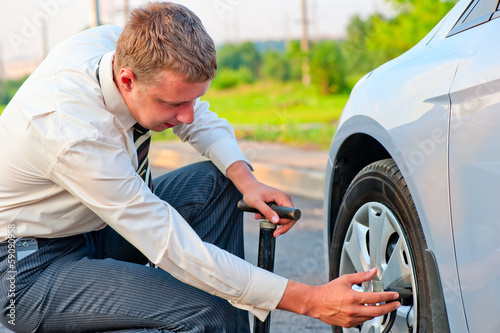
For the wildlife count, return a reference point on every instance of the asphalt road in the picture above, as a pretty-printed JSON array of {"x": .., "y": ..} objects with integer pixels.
[{"x": 299, "y": 257}]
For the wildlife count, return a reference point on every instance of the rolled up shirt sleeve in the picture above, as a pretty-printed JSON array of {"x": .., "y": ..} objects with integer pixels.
[{"x": 105, "y": 181}]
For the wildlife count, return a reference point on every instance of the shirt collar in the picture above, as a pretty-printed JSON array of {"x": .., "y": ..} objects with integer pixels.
[{"x": 112, "y": 97}]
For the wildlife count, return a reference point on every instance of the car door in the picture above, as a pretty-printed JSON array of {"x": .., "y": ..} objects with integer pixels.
[{"x": 474, "y": 168}]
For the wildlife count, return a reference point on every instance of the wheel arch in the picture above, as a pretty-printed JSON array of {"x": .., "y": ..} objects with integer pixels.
[{"x": 356, "y": 151}]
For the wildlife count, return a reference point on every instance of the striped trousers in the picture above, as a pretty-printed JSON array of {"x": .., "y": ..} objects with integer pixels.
[{"x": 98, "y": 282}]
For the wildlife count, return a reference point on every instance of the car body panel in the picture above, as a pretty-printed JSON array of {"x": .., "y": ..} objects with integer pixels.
[
  {"x": 475, "y": 177},
  {"x": 405, "y": 106}
]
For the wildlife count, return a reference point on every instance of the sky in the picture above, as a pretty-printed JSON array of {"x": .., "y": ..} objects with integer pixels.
[{"x": 22, "y": 28}]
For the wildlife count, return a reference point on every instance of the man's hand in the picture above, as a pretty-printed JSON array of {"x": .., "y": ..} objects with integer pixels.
[
  {"x": 257, "y": 195},
  {"x": 336, "y": 303}
]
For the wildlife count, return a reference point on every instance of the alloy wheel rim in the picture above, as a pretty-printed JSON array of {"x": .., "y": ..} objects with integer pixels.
[{"x": 391, "y": 256}]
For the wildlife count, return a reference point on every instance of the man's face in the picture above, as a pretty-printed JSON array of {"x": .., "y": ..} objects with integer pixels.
[{"x": 164, "y": 104}]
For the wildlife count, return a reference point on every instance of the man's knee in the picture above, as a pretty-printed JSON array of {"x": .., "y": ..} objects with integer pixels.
[
  {"x": 221, "y": 316},
  {"x": 213, "y": 175},
  {"x": 196, "y": 183}
]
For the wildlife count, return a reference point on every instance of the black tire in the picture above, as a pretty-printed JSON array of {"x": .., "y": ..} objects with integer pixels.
[{"x": 381, "y": 187}]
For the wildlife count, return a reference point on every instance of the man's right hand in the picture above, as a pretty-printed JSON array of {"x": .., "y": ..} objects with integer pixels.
[{"x": 336, "y": 303}]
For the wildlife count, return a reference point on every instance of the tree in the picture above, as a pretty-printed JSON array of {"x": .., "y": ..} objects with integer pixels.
[
  {"x": 275, "y": 66},
  {"x": 294, "y": 57},
  {"x": 380, "y": 38},
  {"x": 411, "y": 21},
  {"x": 357, "y": 57},
  {"x": 234, "y": 56},
  {"x": 327, "y": 67}
]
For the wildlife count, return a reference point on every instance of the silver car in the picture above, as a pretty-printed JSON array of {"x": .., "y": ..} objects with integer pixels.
[{"x": 413, "y": 181}]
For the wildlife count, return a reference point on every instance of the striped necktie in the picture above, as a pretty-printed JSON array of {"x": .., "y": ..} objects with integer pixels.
[{"x": 142, "y": 140}]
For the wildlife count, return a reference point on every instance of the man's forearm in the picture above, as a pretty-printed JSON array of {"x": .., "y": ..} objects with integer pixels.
[
  {"x": 242, "y": 177},
  {"x": 295, "y": 298}
]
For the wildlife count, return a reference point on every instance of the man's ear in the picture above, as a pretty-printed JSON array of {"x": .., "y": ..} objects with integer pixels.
[{"x": 126, "y": 79}]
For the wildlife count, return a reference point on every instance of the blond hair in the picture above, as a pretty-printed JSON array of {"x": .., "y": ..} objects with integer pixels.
[{"x": 165, "y": 36}]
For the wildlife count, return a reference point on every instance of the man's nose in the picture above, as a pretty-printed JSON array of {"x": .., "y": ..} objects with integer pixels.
[{"x": 186, "y": 113}]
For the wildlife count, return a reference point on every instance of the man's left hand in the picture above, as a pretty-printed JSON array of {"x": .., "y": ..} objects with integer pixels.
[{"x": 257, "y": 195}]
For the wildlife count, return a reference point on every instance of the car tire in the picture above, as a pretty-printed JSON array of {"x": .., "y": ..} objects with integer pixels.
[{"x": 378, "y": 205}]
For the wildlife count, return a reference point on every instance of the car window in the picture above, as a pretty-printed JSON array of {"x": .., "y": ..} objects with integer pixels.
[
  {"x": 478, "y": 12},
  {"x": 497, "y": 13}
]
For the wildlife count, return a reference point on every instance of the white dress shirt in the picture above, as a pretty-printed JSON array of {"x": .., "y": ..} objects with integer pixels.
[{"x": 68, "y": 166}]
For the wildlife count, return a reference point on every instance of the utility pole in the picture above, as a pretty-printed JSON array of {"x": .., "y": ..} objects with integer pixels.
[
  {"x": 95, "y": 19},
  {"x": 3, "y": 91},
  {"x": 304, "y": 46},
  {"x": 125, "y": 10},
  {"x": 235, "y": 29},
  {"x": 45, "y": 38},
  {"x": 314, "y": 20}
]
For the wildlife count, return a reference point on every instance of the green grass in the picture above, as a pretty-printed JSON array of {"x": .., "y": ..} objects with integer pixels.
[
  {"x": 275, "y": 103},
  {"x": 278, "y": 112}
]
